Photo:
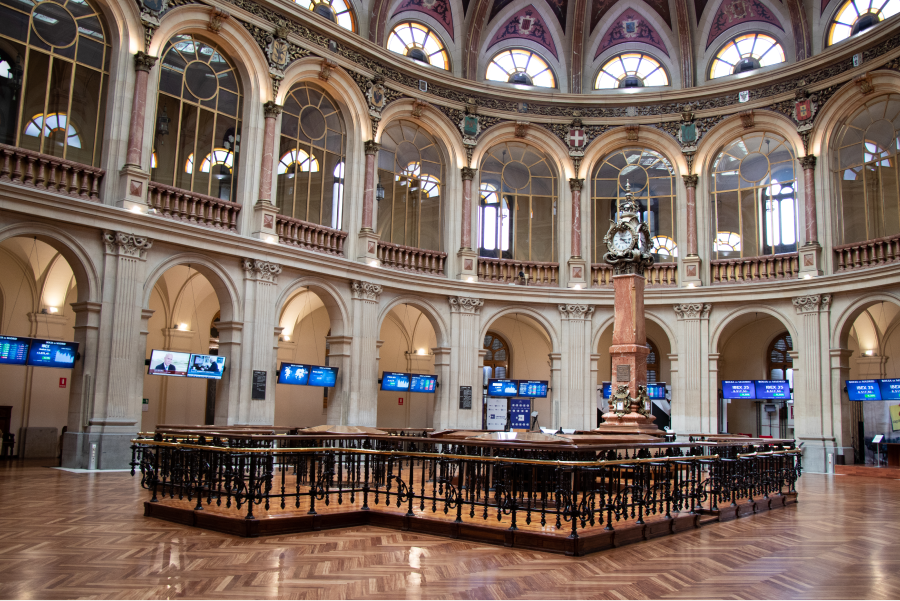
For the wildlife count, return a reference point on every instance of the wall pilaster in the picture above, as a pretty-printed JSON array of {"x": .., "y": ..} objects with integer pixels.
[
  {"x": 363, "y": 406},
  {"x": 258, "y": 354},
  {"x": 340, "y": 355},
  {"x": 691, "y": 410},
  {"x": 575, "y": 404},
  {"x": 465, "y": 362},
  {"x": 813, "y": 415}
]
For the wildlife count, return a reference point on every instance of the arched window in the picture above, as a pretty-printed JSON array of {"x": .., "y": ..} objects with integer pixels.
[
  {"x": 652, "y": 180},
  {"x": 631, "y": 70},
  {"x": 54, "y": 72},
  {"x": 310, "y": 170},
  {"x": 779, "y": 363},
  {"x": 745, "y": 53},
  {"x": 411, "y": 172},
  {"x": 197, "y": 119},
  {"x": 521, "y": 66},
  {"x": 754, "y": 197},
  {"x": 856, "y": 16},
  {"x": 496, "y": 357},
  {"x": 420, "y": 43},
  {"x": 337, "y": 11},
  {"x": 517, "y": 206},
  {"x": 865, "y": 159}
]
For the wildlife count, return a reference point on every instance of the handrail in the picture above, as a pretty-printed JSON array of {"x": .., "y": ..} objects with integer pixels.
[
  {"x": 46, "y": 172},
  {"x": 506, "y": 271},
  {"x": 410, "y": 258},
  {"x": 193, "y": 207},
  {"x": 310, "y": 236},
  {"x": 658, "y": 275},
  {"x": 755, "y": 269},
  {"x": 869, "y": 253}
]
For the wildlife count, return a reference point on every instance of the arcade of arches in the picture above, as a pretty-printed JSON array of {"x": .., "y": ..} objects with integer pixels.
[{"x": 435, "y": 203}]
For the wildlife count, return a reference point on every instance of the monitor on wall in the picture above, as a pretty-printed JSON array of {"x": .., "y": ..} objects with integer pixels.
[
  {"x": 52, "y": 353},
  {"x": 607, "y": 390},
  {"x": 14, "y": 350},
  {"x": 863, "y": 390},
  {"x": 168, "y": 363},
  {"x": 320, "y": 375},
  {"x": 657, "y": 391},
  {"x": 535, "y": 389},
  {"x": 890, "y": 389},
  {"x": 738, "y": 389},
  {"x": 503, "y": 388},
  {"x": 293, "y": 373},
  {"x": 423, "y": 383},
  {"x": 773, "y": 389},
  {"x": 209, "y": 367},
  {"x": 396, "y": 381}
]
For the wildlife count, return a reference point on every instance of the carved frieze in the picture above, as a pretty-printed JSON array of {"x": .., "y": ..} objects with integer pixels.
[
  {"x": 127, "y": 245},
  {"x": 463, "y": 304},
  {"x": 264, "y": 271},
  {"x": 366, "y": 290}
]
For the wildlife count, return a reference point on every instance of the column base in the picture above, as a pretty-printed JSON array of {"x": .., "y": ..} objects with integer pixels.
[
  {"x": 132, "y": 193},
  {"x": 367, "y": 247},
  {"x": 810, "y": 261},
  {"x": 113, "y": 451},
  {"x": 690, "y": 272},
  {"x": 468, "y": 265},
  {"x": 816, "y": 452},
  {"x": 578, "y": 273},
  {"x": 264, "y": 218}
]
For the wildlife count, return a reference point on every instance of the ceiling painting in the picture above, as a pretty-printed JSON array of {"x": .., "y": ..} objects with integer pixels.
[
  {"x": 630, "y": 26},
  {"x": 527, "y": 24},
  {"x": 734, "y": 12},
  {"x": 437, "y": 9}
]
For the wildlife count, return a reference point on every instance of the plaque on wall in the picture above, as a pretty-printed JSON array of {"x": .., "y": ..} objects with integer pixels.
[
  {"x": 259, "y": 386},
  {"x": 623, "y": 373},
  {"x": 465, "y": 397}
]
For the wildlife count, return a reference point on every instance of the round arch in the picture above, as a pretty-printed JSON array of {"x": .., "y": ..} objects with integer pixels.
[
  {"x": 841, "y": 332},
  {"x": 728, "y": 320},
  {"x": 226, "y": 291},
  {"x": 651, "y": 316},
  {"x": 713, "y": 141},
  {"x": 535, "y": 136},
  {"x": 435, "y": 122},
  {"x": 30, "y": 282},
  {"x": 617, "y": 139},
  {"x": 549, "y": 329},
  {"x": 335, "y": 304},
  {"x": 428, "y": 309}
]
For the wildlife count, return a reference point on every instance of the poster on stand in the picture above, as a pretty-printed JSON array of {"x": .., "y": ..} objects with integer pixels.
[
  {"x": 496, "y": 414},
  {"x": 520, "y": 415}
]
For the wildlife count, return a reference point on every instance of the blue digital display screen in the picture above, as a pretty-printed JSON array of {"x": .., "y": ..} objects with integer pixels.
[
  {"x": 293, "y": 373},
  {"x": 206, "y": 366},
  {"x": 391, "y": 380},
  {"x": 423, "y": 383},
  {"x": 890, "y": 389},
  {"x": 322, "y": 376},
  {"x": 506, "y": 388},
  {"x": 773, "y": 389},
  {"x": 656, "y": 391},
  {"x": 738, "y": 389},
  {"x": 52, "y": 353},
  {"x": 533, "y": 388},
  {"x": 14, "y": 350},
  {"x": 607, "y": 390},
  {"x": 864, "y": 390}
]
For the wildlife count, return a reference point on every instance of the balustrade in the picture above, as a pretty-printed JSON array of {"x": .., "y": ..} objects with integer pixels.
[
  {"x": 408, "y": 258},
  {"x": 310, "y": 236},
  {"x": 871, "y": 253},
  {"x": 46, "y": 172},
  {"x": 506, "y": 271},
  {"x": 755, "y": 269},
  {"x": 200, "y": 209},
  {"x": 659, "y": 275}
]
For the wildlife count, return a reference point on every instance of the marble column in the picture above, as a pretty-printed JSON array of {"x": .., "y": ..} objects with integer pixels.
[
  {"x": 368, "y": 240},
  {"x": 813, "y": 421},
  {"x": 811, "y": 251},
  {"x": 363, "y": 407},
  {"x": 265, "y": 214},
  {"x": 258, "y": 353},
  {"x": 465, "y": 362},
  {"x": 576, "y": 406},
  {"x": 340, "y": 353},
  {"x": 689, "y": 411},
  {"x": 133, "y": 179},
  {"x": 467, "y": 256},
  {"x": 578, "y": 272},
  {"x": 690, "y": 261}
]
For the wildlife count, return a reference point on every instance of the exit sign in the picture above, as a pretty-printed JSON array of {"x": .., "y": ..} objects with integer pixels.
[{"x": 400, "y": 401}]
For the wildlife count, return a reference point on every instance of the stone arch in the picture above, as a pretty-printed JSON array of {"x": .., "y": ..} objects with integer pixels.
[
  {"x": 225, "y": 288},
  {"x": 335, "y": 304},
  {"x": 651, "y": 316},
  {"x": 713, "y": 141},
  {"x": 435, "y": 122},
  {"x": 28, "y": 281},
  {"x": 428, "y": 309},
  {"x": 551, "y": 332},
  {"x": 841, "y": 331},
  {"x": 648, "y": 137},
  {"x": 535, "y": 136},
  {"x": 730, "y": 320}
]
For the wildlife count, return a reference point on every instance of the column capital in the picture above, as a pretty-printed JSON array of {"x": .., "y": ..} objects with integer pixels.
[
  {"x": 812, "y": 303},
  {"x": 576, "y": 184},
  {"x": 371, "y": 147},
  {"x": 693, "y": 310},
  {"x": 578, "y": 312},
  {"x": 468, "y": 173},
  {"x": 808, "y": 162},
  {"x": 263, "y": 271},
  {"x": 462, "y": 304},
  {"x": 272, "y": 110},
  {"x": 691, "y": 181},
  {"x": 366, "y": 290},
  {"x": 143, "y": 61},
  {"x": 127, "y": 245}
]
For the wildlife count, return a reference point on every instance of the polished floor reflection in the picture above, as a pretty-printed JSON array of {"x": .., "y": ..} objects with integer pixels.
[{"x": 65, "y": 535}]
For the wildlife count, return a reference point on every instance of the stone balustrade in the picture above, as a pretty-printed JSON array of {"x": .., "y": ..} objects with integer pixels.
[
  {"x": 506, "y": 271},
  {"x": 408, "y": 258},
  {"x": 310, "y": 236},
  {"x": 871, "y": 253},
  {"x": 46, "y": 172},
  {"x": 191, "y": 207},
  {"x": 659, "y": 275},
  {"x": 754, "y": 269}
]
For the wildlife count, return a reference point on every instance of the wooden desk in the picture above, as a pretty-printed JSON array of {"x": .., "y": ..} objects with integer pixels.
[{"x": 893, "y": 453}]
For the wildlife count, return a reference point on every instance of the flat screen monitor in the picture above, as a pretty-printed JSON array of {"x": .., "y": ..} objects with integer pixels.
[
  {"x": 14, "y": 350},
  {"x": 168, "y": 363},
  {"x": 535, "y": 389},
  {"x": 657, "y": 391},
  {"x": 607, "y": 390},
  {"x": 890, "y": 389},
  {"x": 391, "y": 380},
  {"x": 206, "y": 366},
  {"x": 293, "y": 373},
  {"x": 322, "y": 376},
  {"x": 773, "y": 389},
  {"x": 503, "y": 388},
  {"x": 52, "y": 353},
  {"x": 863, "y": 390},
  {"x": 738, "y": 389},
  {"x": 423, "y": 383}
]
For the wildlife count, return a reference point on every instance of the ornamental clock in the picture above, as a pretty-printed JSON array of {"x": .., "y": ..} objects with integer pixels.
[{"x": 628, "y": 239}]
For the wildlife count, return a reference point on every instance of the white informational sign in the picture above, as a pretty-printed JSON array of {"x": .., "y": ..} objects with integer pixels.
[
  {"x": 496, "y": 414},
  {"x": 878, "y": 439}
]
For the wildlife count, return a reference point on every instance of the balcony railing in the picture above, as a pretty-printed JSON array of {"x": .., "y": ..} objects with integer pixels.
[
  {"x": 191, "y": 207},
  {"x": 408, "y": 258},
  {"x": 871, "y": 253},
  {"x": 310, "y": 236},
  {"x": 506, "y": 271},
  {"x": 47, "y": 172},
  {"x": 659, "y": 275},
  {"x": 755, "y": 269}
]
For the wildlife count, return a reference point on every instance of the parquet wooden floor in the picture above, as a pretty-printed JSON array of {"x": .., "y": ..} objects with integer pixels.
[{"x": 65, "y": 535}]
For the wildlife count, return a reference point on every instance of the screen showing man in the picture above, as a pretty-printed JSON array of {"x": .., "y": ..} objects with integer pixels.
[
  {"x": 322, "y": 376},
  {"x": 168, "y": 363},
  {"x": 293, "y": 373},
  {"x": 206, "y": 366}
]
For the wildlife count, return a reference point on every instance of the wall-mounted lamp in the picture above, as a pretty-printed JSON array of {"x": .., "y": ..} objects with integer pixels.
[
  {"x": 470, "y": 279},
  {"x": 183, "y": 327},
  {"x": 379, "y": 192},
  {"x": 577, "y": 286},
  {"x": 869, "y": 353}
]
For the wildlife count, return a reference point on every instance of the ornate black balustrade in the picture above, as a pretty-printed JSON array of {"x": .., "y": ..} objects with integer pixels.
[{"x": 568, "y": 489}]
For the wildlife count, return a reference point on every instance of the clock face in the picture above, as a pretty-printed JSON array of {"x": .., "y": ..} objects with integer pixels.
[{"x": 622, "y": 240}]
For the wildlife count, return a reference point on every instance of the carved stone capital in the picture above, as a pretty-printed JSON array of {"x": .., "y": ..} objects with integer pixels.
[
  {"x": 462, "y": 304},
  {"x": 143, "y": 61},
  {"x": 864, "y": 83},
  {"x": 576, "y": 311},
  {"x": 808, "y": 162},
  {"x": 691, "y": 181},
  {"x": 468, "y": 173},
  {"x": 812, "y": 303},
  {"x": 371, "y": 147},
  {"x": 272, "y": 110},
  {"x": 576, "y": 184},
  {"x": 264, "y": 271},
  {"x": 366, "y": 290},
  {"x": 127, "y": 245},
  {"x": 693, "y": 310}
]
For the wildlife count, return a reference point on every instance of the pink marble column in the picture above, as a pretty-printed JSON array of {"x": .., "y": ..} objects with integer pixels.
[
  {"x": 271, "y": 111},
  {"x": 143, "y": 63},
  {"x": 690, "y": 184},
  {"x": 369, "y": 189},
  {"x": 468, "y": 174},
  {"x": 576, "y": 186},
  {"x": 809, "y": 203}
]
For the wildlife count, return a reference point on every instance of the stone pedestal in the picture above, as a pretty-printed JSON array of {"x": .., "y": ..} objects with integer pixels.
[
  {"x": 264, "y": 220},
  {"x": 133, "y": 184},
  {"x": 578, "y": 273},
  {"x": 810, "y": 260},
  {"x": 367, "y": 248},
  {"x": 468, "y": 265},
  {"x": 690, "y": 272}
]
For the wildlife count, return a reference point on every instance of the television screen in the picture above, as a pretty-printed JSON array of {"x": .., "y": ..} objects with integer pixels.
[
  {"x": 293, "y": 373},
  {"x": 52, "y": 353},
  {"x": 206, "y": 366},
  {"x": 738, "y": 389},
  {"x": 656, "y": 391},
  {"x": 863, "y": 390},
  {"x": 533, "y": 388},
  {"x": 14, "y": 350},
  {"x": 168, "y": 363},
  {"x": 503, "y": 387},
  {"x": 391, "y": 380},
  {"x": 423, "y": 383},
  {"x": 890, "y": 389},
  {"x": 773, "y": 389},
  {"x": 607, "y": 390},
  {"x": 322, "y": 376}
]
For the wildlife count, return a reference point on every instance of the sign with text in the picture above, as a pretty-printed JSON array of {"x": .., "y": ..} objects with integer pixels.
[
  {"x": 258, "y": 386},
  {"x": 465, "y": 397},
  {"x": 890, "y": 389},
  {"x": 895, "y": 417},
  {"x": 520, "y": 414},
  {"x": 52, "y": 353},
  {"x": 14, "y": 350},
  {"x": 773, "y": 389},
  {"x": 507, "y": 388},
  {"x": 738, "y": 389},
  {"x": 495, "y": 417},
  {"x": 863, "y": 390},
  {"x": 607, "y": 390},
  {"x": 533, "y": 388}
]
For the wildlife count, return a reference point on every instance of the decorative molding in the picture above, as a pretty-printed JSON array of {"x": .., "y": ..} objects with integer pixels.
[
  {"x": 691, "y": 181},
  {"x": 143, "y": 61},
  {"x": 522, "y": 128},
  {"x": 272, "y": 110},
  {"x": 812, "y": 303},
  {"x": 576, "y": 311},
  {"x": 264, "y": 271},
  {"x": 463, "y": 304},
  {"x": 468, "y": 173},
  {"x": 127, "y": 245},
  {"x": 217, "y": 17},
  {"x": 693, "y": 310},
  {"x": 418, "y": 108},
  {"x": 747, "y": 120},
  {"x": 808, "y": 162},
  {"x": 371, "y": 147},
  {"x": 632, "y": 132},
  {"x": 576, "y": 184},
  {"x": 327, "y": 67},
  {"x": 366, "y": 290},
  {"x": 864, "y": 83}
]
